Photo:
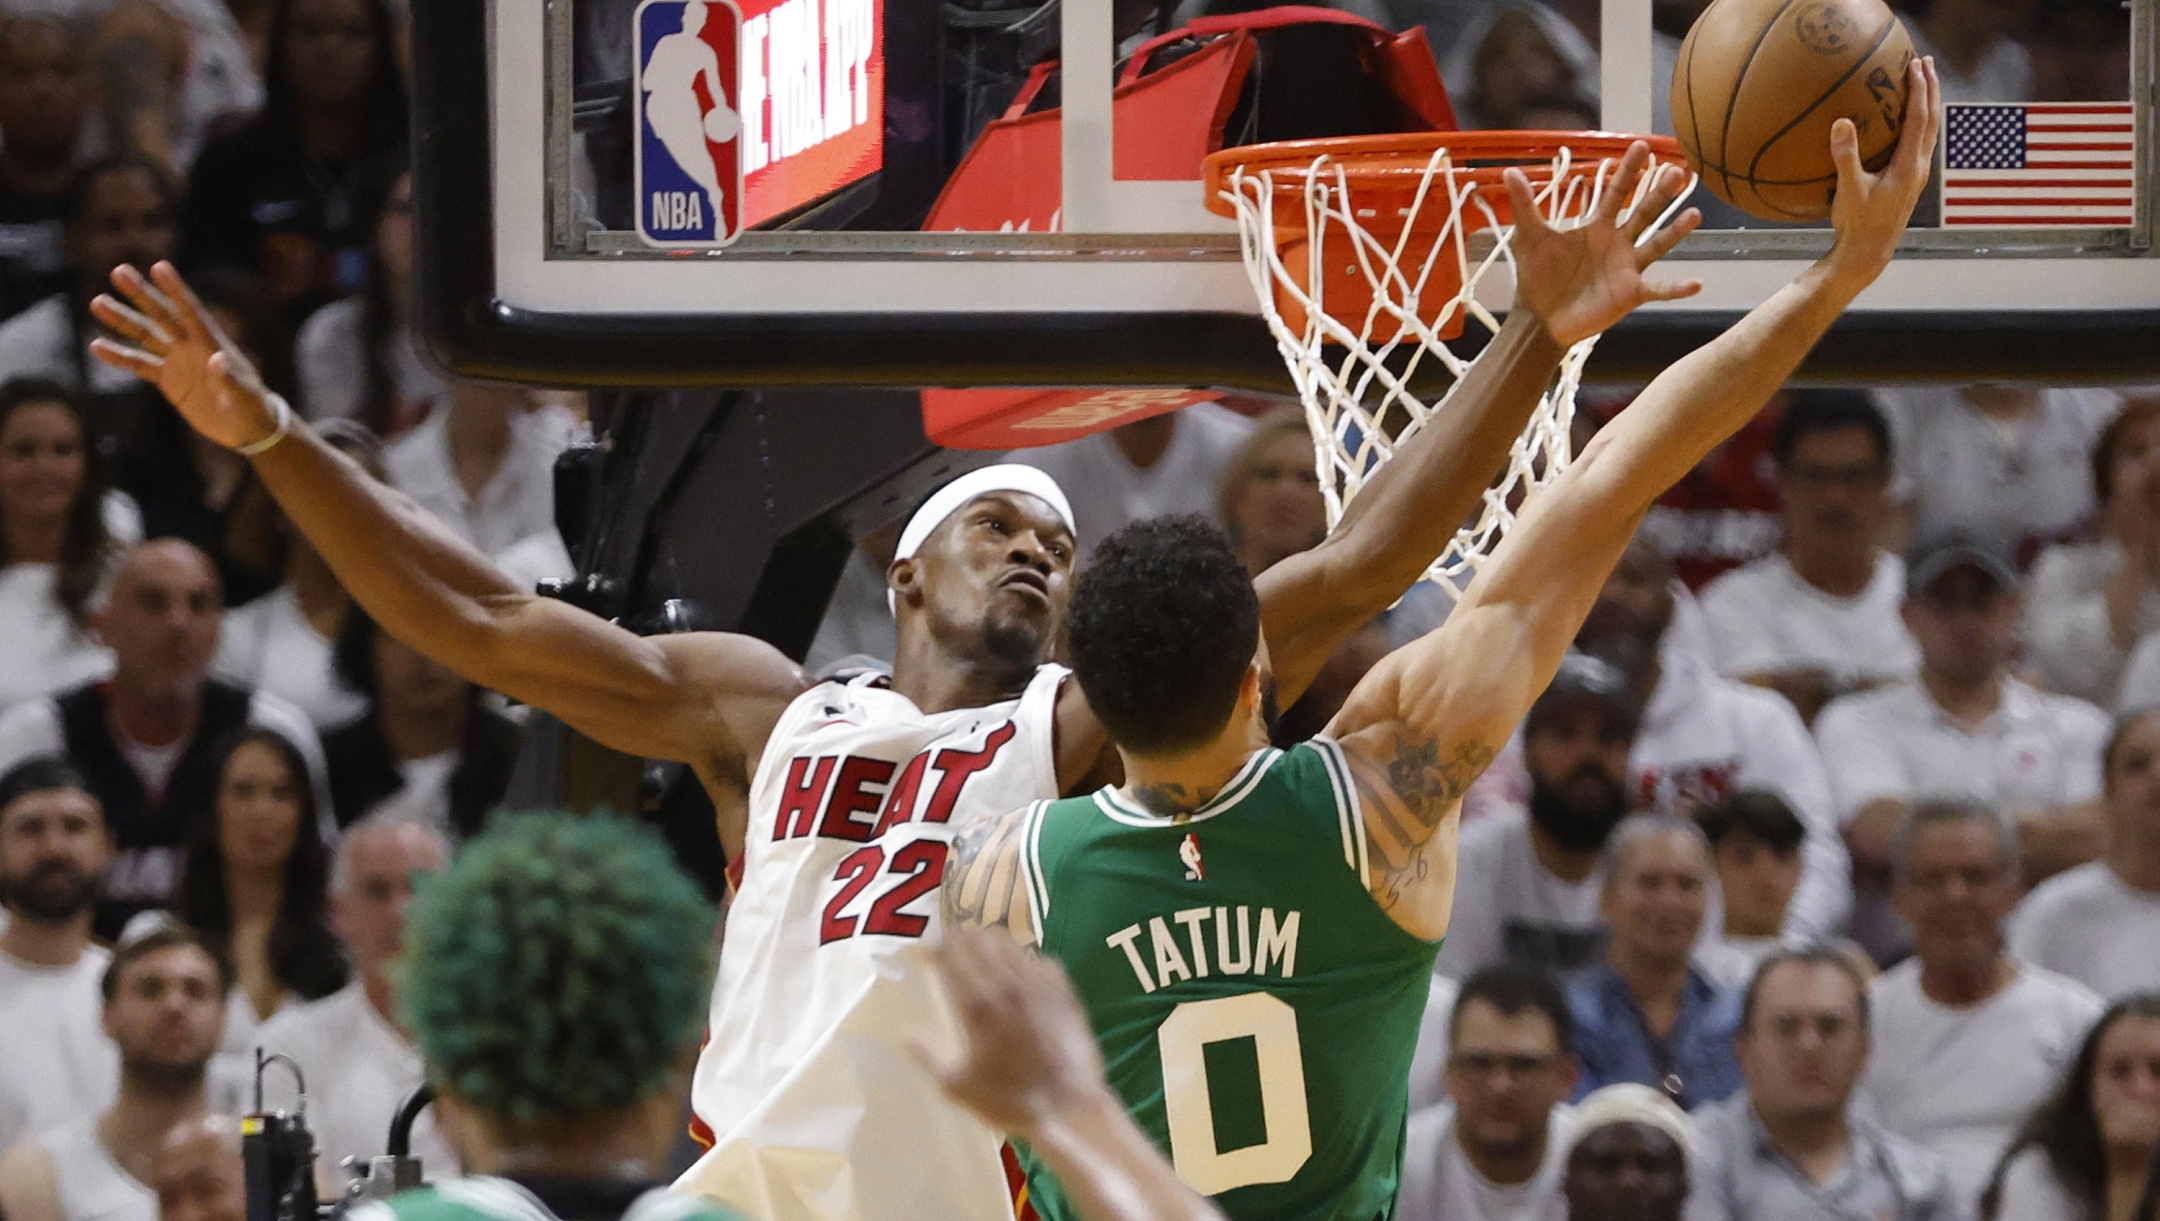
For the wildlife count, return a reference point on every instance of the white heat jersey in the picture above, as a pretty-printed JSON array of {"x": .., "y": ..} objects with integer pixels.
[{"x": 815, "y": 1107}]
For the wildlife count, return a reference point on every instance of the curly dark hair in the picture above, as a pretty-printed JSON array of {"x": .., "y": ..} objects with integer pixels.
[
  {"x": 558, "y": 968},
  {"x": 304, "y": 954},
  {"x": 85, "y": 548},
  {"x": 2064, "y": 1128},
  {"x": 1163, "y": 624}
]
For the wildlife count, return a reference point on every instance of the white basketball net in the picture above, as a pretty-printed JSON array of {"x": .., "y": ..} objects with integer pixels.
[{"x": 1360, "y": 409}]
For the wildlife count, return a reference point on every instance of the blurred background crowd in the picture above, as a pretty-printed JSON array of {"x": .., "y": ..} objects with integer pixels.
[{"x": 1842, "y": 828}]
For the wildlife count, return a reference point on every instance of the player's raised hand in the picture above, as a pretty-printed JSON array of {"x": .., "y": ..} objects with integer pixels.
[
  {"x": 1870, "y": 210},
  {"x": 173, "y": 343},
  {"x": 1030, "y": 1067},
  {"x": 1029, "y": 1056},
  {"x": 1582, "y": 280}
]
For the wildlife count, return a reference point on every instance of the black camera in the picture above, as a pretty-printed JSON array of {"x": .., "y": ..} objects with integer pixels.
[{"x": 279, "y": 1154}]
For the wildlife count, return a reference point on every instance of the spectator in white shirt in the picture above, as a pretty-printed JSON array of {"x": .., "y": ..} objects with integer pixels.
[
  {"x": 53, "y": 854},
  {"x": 164, "y": 1001},
  {"x": 2089, "y": 603},
  {"x": 359, "y": 1064},
  {"x": 485, "y": 465},
  {"x": 122, "y": 211},
  {"x": 2086, "y": 1154},
  {"x": 1819, "y": 617},
  {"x": 359, "y": 358},
  {"x": 145, "y": 738},
  {"x": 1961, "y": 1001},
  {"x": 2005, "y": 462},
  {"x": 2100, "y": 923},
  {"x": 283, "y": 642},
  {"x": 1705, "y": 737},
  {"x": 1964, "y": 728},
  {"x": 1492, "y": 1152},
  {"x": 55, "y": 548},
  {"x": 1167, "y": 464},
  {"x": 1755, "y": 842},
  {"x": 1528, "y": 884}
]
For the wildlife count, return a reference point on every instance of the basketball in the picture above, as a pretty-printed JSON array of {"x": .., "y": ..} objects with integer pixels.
[{"x": 1758, "y": 84}]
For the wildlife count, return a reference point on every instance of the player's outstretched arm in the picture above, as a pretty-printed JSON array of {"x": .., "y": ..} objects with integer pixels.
[
  {"x": 1570, "y": 285},
  {"x": 1030, "y": 1068},
  {"x": 706, "y": 699},
  {"x": 1428, "y": 718}
]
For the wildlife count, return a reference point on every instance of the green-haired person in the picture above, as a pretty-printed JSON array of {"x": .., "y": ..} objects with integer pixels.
[{"x": 554, "y": 976}]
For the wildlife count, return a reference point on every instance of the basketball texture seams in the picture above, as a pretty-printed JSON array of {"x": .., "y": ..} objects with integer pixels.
[
  {"x": 1762, "y": 35},
  {"x": 1767, "y": 78}
]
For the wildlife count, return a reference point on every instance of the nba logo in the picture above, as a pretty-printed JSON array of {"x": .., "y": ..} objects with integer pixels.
[{"x": 689, "y": 166}]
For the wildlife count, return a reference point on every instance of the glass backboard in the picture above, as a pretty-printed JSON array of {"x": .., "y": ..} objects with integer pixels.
[{"x": 568, "y": 232}]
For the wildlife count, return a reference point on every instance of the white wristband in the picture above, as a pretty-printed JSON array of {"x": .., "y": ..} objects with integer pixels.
[{"x": 277, "y": 434}]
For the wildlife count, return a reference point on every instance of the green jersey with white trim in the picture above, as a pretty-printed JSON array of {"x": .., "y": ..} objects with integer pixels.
[{"x": 1256, "y": 1009}]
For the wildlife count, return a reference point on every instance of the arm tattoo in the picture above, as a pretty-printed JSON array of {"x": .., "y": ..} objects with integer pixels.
[
  {"x": 1426, "y": 784},
  {"x": 1407, "y": 797},
  {"x": 983, "y": 887},
  {"x": 1172, "y": 801}
]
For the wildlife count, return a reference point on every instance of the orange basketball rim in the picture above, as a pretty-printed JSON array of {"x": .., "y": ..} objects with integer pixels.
[{"x": 1395, "y": 214}]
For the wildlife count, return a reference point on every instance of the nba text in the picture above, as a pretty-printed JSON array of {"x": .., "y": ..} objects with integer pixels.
[
  {"x": 810, "y": 60},
  {"x": 1164, "y": 961},
  {"x": 678, "y": 210}
]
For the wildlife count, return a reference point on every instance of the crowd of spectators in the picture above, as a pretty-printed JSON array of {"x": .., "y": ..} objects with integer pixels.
[
  {"x": 217, "y": 777},
  {"x": 1839, "y": 829}
]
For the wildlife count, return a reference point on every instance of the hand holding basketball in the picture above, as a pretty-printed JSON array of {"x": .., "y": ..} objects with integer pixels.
[
  {"x": 174, "y": 344},
  {"x": 1582, "y": 280},
  {"x": 1870, "y": 210}
]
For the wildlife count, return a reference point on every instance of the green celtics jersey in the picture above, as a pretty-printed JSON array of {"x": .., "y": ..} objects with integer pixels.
[
  {"x": 479, "y": 1198},
  {"x": 1256, "y": 1008}
]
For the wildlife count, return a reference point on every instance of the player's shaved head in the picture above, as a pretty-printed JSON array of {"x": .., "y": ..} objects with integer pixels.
[{"x": 1163, "y": 627}]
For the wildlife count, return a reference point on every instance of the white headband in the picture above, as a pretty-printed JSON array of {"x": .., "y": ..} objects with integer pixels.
[
  {"x": 948, "y": 500},
  {"x": 1628, "y": 1102}
]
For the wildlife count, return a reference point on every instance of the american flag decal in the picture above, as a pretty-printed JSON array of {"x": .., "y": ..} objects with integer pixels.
[{"x": 2039, "y": 164}]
